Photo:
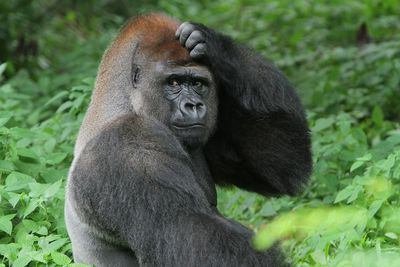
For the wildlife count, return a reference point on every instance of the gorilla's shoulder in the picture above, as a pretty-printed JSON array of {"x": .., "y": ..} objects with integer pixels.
[{"x": 131, "y": 134}]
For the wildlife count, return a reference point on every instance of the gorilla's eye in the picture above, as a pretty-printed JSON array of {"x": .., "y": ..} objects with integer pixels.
[
  {"x": 173, "y": 82},
  {"x": 197, "y": 83}
]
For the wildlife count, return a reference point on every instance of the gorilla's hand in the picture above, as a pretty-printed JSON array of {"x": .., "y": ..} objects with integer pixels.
[{"x": 193, "y": 39}]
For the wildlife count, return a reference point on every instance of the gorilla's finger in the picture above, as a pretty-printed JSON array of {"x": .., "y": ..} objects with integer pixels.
[
  {"x": 194, "y": 38},
  {"x": 180, "y": 28},
  {"x": 198, "y": 51},
  {"x": 186, "y": 31}
]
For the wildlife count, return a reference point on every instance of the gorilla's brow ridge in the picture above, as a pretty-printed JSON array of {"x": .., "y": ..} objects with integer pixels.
[{"x": 180, "y": 62}]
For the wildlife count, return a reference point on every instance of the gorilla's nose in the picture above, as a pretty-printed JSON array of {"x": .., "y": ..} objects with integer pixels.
[{"x": 193, "y": 109}]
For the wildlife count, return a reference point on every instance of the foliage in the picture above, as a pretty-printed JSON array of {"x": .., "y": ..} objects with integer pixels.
[{"x": 349, "y": 213}]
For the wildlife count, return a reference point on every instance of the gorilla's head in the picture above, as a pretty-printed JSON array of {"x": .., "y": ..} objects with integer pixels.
[
  {"x": 152, "y": 75},
  {"x": 173, "y": 89}
]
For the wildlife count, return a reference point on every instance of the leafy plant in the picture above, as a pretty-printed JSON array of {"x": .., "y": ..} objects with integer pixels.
[{"x": 348, "y": 214}]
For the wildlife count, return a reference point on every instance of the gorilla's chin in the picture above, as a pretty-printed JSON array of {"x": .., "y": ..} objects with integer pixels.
[{"x": 191, "y": 136}]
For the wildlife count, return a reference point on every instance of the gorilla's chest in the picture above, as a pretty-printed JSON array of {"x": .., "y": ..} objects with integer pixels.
[{"x": 204, "y": 178}]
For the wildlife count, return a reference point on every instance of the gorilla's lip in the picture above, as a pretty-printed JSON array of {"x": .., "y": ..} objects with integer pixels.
[{"x": 188, "y": 126}]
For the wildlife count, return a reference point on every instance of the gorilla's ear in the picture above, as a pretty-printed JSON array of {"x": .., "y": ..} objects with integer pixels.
[{"x": 135, "y": 75}]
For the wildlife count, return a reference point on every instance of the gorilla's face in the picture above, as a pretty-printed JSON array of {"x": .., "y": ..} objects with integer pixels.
[
  {"x": 183, "y": 97},
  {"x": 190, "y": 91}
]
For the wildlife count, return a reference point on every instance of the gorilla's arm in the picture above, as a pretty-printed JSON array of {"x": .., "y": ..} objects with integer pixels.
[
  {"x": 135, "y": 182},
  {"x": 262, "y": 141}
]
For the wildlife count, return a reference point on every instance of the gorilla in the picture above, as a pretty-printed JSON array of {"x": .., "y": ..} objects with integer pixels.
[{"x": 176, "y": 109}]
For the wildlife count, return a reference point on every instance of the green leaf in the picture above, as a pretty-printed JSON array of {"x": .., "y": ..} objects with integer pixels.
[
  {"x": 22, "y": 261},
  {"x": 319, "y": 257},
  {"x": 32, "y": 226},
  {"x": 33, "y": 204},
  {"x": 27, "y": 153},
  {"x": 42, "y": 231},
  {"x": 54, "y": 245},
  {"x": 52, "y": 190},
  {"x": 344, "y": 194},
  {"x": 354, "y": 194},
  {"x": 360, "y": 161},
  {"x": 3, "y": 68},
  {"x": 246, "y": 204},
  {"x": 386, "y": 164},
  {"x": 89, "y": 81},
  {"x": 396, "y": 171},
  {"x": 58, "y": 96},
  {"x": 6, "y": 166},
  {"x": 6, "y": 224},
  {"x": 16, "y": 181},
  {"x": 37, "y": 189},
  {"x": 385, "y": 147},
  {"x": 60, "y": 258},
  {"x": 377, "y": 116},
  {"x": 22, "y": 133},
  {"x": 374, "y": 207},
  {"x": 52, "y": 175},
  {"x": 50, "y": 145},
  {"x": 356, "y": 165},
  {"x": 9, "y": 248},
  {"x": 13, "y": 198},
  {"x": 64, "y": 106},
  {"x": 5, "y": 116},
  {"x": 392, "y": 235},
  {"x": 56, "y": 158},
  {"x": 267, "y": 210},
  {"x": 45, "y": 190},
  {"x": 322, "y": 124}
]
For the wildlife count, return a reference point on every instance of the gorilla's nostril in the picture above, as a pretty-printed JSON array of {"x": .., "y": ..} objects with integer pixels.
[
  {"x": 193, "y": 107},
  {"x": 190, "y": 106}
]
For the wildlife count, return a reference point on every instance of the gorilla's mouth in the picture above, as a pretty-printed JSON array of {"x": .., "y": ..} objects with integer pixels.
[
  {"x": 190, "y": 135},
  {"x": 188, "y": 126}
]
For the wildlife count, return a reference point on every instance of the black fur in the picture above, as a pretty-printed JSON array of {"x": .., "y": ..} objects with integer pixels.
[
  {"x": 141, "y": 190},
  {"x": 262, "y": 142}
]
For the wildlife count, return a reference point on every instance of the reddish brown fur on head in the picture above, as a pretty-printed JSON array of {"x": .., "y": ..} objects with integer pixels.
[{"x": 156, "y": 33}]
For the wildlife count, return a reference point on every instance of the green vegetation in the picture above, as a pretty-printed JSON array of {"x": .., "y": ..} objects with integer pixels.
[{"x": 349, "y": 215}]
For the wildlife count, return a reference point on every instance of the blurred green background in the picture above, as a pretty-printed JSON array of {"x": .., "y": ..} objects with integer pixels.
[{"x": 343, "y": 56}]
